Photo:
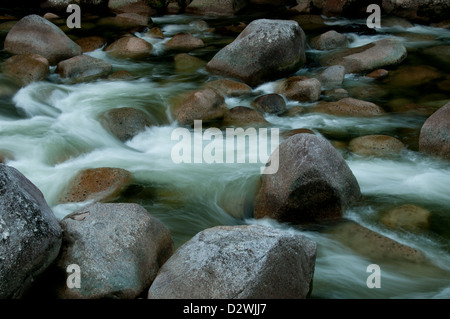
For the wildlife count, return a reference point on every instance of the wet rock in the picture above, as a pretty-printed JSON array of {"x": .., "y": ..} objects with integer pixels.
[
  {"x": 289, "y": 133},
  {"x": 379, "y": 74},
  {"x": 206, "y": 105},
  {"x": 130, "y": 48},
  {"x": 188, "y": 63},
  {"x": 329, "y": 40},
  {"x": 26, "y": 68},
  {"x": 36, "y": 35},
  {"x": 376, "y": 145},
  {"x": 120, "y": 75},
  {"x": 349, "y": 107},
  {"x": 395, "y": 22},
  {"x": 124, "y": 21},
  {"x": 250, "y": 57},
  {"x": 229, "y": 88},
  {"x": 98, "y": 184},
  {"x": 332, "y": 76},
  {"x": 409, "y": 76},
  {"x": 300, "y": 88},
  {"x": 313, "y": 182},
  {"x": 336, "y": 94},
  {"x": 440, "y": 53},
  {"x": 243, "y": 116},
  {"x": 83, "y": 68},
  {"x": 294, "y": 111},
  {"x": 118, "y": 247},
  {"x": 184, "y": 42},
  {"x": 126, "y": 122},
  {"x": 216, "y": 8},
  {"x": 408, "y": 217},
  {"x": 270, "y": 103},
  {"x": 139, "y": 7},
  {"x": 435, "y": 134},
  {"x": 51, "y": 16},
  {"x": 421, "y": 11},
  {"x": 30, "y": 234},
  {"x": 238, "y": 262},
  {"x": 372, "y": 56},
  {"x": 91, "y": 43},
  {"x": 373, "y": 245},
  {"x": 155, "y": 33}
]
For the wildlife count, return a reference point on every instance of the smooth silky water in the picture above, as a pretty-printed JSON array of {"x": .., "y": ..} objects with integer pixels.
[{"x": 52, "y": 131}]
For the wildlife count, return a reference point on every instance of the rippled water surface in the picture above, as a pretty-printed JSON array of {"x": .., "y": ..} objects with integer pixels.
[{"x": 52, "y": 131}]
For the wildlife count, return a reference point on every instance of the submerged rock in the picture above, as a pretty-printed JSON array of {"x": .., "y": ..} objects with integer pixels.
[
  {"x": 30, "y": 234},
  {"x": 376, "y": 145},
  {"x": 188, "y": 63},
  {"x": 409, "y": 217},
  {"x": 374, "y": 245},
  {"x": 375, "y": 55},
  {"x": 349, "y": 107},
  {"x": 435, "y": 134},
  {"x": 264, "y": 51},
  {"x": 99, "y": 184},
  {"x": 26, "y": 68},
  {"x": 36, "y": 35},
  {"x": 238, "y": 262},
  {"x": 313, "y": 182},
  {"x": 118, "y": 247},
  {"x": 126, "y": 122}
]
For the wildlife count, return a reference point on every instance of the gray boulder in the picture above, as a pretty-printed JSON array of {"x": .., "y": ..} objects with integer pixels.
[
  {"x": 36, "y": 35},
  {"x": 118, "y": 247},
  {"x": 30, "y": 234},
  {"x": 238, "y": 262},
  {"x": 216, "y": 8},
  {"x": 313, "y": 182},
  {"x": 126, "y": 122},
  {"x": 265, "y": 50}
]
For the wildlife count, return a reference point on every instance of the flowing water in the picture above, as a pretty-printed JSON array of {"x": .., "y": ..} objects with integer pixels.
[{"x": 52, "y": 131}]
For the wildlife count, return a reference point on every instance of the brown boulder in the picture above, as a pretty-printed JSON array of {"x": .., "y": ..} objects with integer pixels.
[
  {"x": 83, "y": 68},
  {"x": 243, "y": 116},
  {"x": 409, "y": 217},
  {"x": 329, "y": 40},
  {"x": 126, "y": 122},
  {"x": 188, "y": 63},
  {"x": 206, "y": 105},
  {"x": 184, "y": 42},
  {"x": 313, "y": 182},
  {"x": 99, "y": 184},
  {"x": 216, "y": 8},
  {"x": 270, "y": 103},
  {"x": 435, "y": 134},
  {"x": 36, "y": 35},
  {"x": 124, "y": 21},
  {"x": 349, "y": 107},
  {"x": 376, "y": 145},
  {"x": 91, "y": 43},
  {"x": 26, "y": 68},
  {"x": 229, "y": 88},
  {"x": 300, "y": 88},
  {"x": 130, "y": 47}
]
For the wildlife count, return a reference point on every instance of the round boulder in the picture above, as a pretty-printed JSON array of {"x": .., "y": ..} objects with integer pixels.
[
  {"x": 130, "y": 47},
  {"x": 118, "y": 248},
  {"x": 435, "y": 134},
  {"x": 313, "y": 182},
  {"x": 300, "y": 88},
  {"x": 30, "y": 234},
  {"x": 376, "y": 145},
  {"x": 126, "y": 122},
  {"x": 270, "y": 103},
  {"x": 36, "y": 35},
  {"x": 238, "y": 262},
  {"x": 26, "y": 68},
  {"x": 250, "y": 57}
]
